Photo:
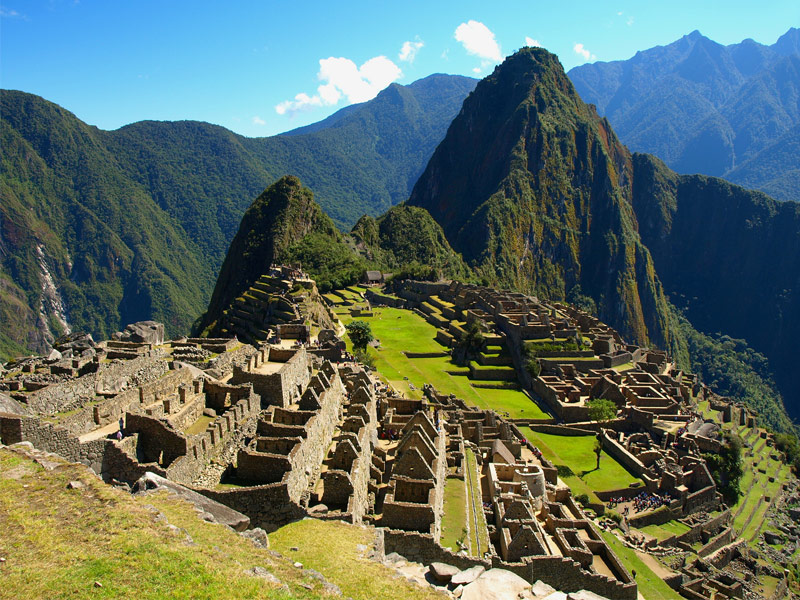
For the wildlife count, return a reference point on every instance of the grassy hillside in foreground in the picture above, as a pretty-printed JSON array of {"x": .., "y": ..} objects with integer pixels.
[
  {"x": 58, "y": 542},
  {"x": 331, "y": 547}
]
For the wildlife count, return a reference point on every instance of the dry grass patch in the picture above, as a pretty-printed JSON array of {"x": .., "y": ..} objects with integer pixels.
[{"x": 331, "y": 547}]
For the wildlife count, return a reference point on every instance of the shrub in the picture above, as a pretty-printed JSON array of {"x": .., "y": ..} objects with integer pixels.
[
  {"x": 582, "y": 499},
  {"x": 564, "y": 471}
]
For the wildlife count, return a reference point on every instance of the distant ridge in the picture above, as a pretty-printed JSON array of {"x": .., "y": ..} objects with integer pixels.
[
  {"x": 134, "y": 223},
  {"x": 707, "y": 108}
]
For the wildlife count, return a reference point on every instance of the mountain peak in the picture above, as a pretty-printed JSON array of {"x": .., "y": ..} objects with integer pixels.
[{"x": 497, "y": 186}]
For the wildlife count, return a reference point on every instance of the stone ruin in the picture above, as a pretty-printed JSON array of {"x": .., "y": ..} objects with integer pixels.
[{"x": 278, "y": 431}]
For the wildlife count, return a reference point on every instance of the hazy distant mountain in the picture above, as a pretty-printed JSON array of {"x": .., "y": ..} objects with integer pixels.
[
  {"x": 101, "y": 228},
  {"x": 706, "y": 108}
]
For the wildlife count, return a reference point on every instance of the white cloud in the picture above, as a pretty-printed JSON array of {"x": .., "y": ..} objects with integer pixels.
[
  {"x": 479, "y": 40},
  {"x": 258, "y": 121},
  {"x": 529, "y": 41},
  {"x": 10, "y": 13},
  {"x": 629, "y": 22},
  {"x": 582, "y": 51},
  {"x": 409, "y": 50},
  {"x": 342, "y": 77}
]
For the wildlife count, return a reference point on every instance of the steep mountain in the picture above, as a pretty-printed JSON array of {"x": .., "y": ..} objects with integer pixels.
[
  {"x": 282, "y": 217},
  {"x": 82, "y": 245},
  {"x": 534, "y": 189},
  {"x": 539, "y": 195},
  {"x": 100, "y": 228},
  {"x": 707, "y": 108}
]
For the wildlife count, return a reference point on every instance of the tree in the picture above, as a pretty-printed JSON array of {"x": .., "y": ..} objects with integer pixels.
[
  {"x": 601, "y": 409},
  {"x": 598, "y": 450},
  {"x": 726, "y": 467},
  {"x": 360, "y": 334},
  {"x": 470, "y": 343}
]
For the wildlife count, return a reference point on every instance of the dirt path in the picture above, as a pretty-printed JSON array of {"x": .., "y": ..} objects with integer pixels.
[{"x": 656, "y": 567}]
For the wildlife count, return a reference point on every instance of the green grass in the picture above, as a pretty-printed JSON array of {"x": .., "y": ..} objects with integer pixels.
[
  {"x": 665, "y": 530},
  {"x": 479, "y": 540},
  {"x": 58, "y": 542},
  {"x": 401, "y": 330},
  {"x": 577, "y": 453},
  {"x": 650, "y": 585},
  {"x": 198, "y": 426},
  {"x": 454, "y": 518},
  {"x": 331, "y": 548}
]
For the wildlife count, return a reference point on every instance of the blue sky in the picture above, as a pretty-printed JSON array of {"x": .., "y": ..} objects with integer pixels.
[{"x": 260, "y": 68}]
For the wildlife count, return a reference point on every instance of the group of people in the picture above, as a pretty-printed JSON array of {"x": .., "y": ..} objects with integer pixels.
[
  {"x": 388, "y": 434},
  {"x": 644, "y": 501}
]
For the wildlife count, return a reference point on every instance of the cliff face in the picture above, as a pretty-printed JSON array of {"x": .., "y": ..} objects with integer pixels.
[
  {"x": 535, "y": 190},
  {"x": 730, "y": 257}
]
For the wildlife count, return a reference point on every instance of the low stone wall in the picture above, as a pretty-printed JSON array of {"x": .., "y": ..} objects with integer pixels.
[
  {"x": 621, "y": 455},
  {"x": 659, "y": 516},
  {"x": 717, "y": 542},
  {"x": 422, "y": 548},
  {"x": 696, "y": 532},
  {"x": 268, "y": 506},
  {"x": 561, "y": 430},
  {"x": 376, "y": 298},
  {"x": 704, "y": 499}
]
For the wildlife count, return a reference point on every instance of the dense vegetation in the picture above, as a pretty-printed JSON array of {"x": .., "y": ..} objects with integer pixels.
[
  {"x": 728, "y": 257},
  {"x": 731, "y": 368},
  {"x": 729, "y": 111},
  {"x": 407, "y": 241},
  {"x": 726, "y": 467},
  {"x": 134, "y": 223}
]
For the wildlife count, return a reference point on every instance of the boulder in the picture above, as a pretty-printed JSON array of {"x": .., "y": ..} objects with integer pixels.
[
  {"x": 258, "y": 536},
  {"x": 441, "y": 572},
  {"x": 144, "y": 332},
  {"x": 207, "y": 507},
  {"x": 468, "y": 575},
  {"x": 495, "y": 584},
  {"x": 54, "y": 356},
  {"x": 772, "y": 538},
  {"x": 585, "y": 595},
  {"x": 76, "y": 343},
  {"x": 541, "y": 589},
  {"x": 11, "y": 406}
]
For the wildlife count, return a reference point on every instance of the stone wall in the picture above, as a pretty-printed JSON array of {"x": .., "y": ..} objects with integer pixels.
[
  {"x": 116, "y": 375},
  {"x": 420, "y": 547},
  {"x": 282, "y": 387},
  {"x": 268, "y": 506},
  {"x": 716, "y": 542},
  {"x": 239, "y": 356}
]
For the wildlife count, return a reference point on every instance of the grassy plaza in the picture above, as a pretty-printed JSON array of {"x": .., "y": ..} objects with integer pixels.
[{"x": 401, "y": 331}]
